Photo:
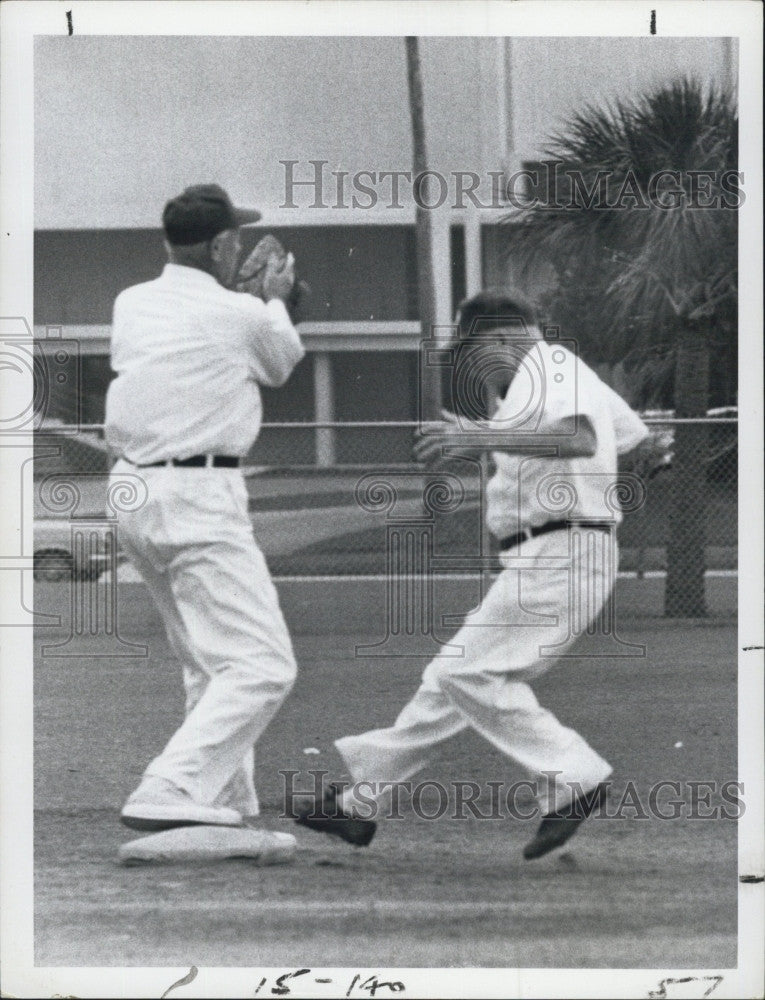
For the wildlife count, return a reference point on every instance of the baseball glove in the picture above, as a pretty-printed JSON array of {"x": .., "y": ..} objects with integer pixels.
[{"x": 253, "y": 270}]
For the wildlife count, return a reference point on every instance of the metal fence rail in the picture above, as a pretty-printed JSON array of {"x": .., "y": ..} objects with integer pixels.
[{"x": 304, "y": 482}]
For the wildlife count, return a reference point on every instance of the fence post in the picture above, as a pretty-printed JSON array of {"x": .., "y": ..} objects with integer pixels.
[
  {"x": 324, "y": 408},
  {"x": 685, "y": 595}
]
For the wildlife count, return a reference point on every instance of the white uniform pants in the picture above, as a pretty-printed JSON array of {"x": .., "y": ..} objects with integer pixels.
[
  {"x": 192, "y": 543},
  {"x": 506, "y": 644}
]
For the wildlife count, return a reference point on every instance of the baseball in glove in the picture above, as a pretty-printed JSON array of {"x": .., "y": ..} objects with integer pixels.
[{"x": 253, "y": 270}]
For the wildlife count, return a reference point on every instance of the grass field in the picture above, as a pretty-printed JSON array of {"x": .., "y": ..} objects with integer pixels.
[{"x": 627, "y": 892}]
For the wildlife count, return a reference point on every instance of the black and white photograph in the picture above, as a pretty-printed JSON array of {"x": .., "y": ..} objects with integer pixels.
[{"x": 382, "y": 467}]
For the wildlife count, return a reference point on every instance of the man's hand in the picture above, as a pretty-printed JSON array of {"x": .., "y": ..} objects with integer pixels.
[
  {"x": 269, "y": 273},
  {"x": 442, "y": 441},
  {"x": 279, "y": 278}
]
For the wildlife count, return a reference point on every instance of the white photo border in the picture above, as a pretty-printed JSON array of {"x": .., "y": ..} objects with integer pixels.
[{"x": 21, "y": 22}]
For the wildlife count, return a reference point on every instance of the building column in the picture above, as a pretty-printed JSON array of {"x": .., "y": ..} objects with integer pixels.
[
  {"x": 441, "y": 250},
  {"x": 473, "y": 259},
  {"x": 324, "y": 409}
]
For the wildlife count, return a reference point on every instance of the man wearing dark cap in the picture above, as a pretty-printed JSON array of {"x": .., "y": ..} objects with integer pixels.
[{"x": 184, "y": 409}]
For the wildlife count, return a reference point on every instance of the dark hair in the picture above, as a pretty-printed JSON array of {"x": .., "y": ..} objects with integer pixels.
[
  {"x": 493, "y": 308},
  {"x": 475, "y": 353}
]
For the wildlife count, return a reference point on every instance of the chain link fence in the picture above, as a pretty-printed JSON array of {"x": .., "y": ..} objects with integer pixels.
[{"x": 323, "y": 498}]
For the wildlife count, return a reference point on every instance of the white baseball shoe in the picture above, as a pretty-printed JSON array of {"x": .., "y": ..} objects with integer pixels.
[
  {"x": 158, "y": 804},
  {"x": 239, "y": 794}
]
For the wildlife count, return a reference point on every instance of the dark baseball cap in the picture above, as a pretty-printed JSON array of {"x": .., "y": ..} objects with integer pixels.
[{"x": 200, "y": 213}]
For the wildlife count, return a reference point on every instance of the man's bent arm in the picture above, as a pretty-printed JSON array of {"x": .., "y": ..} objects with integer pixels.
[
  {"x": 574, "y": 437},
  {"x": 276, "y": 345}
]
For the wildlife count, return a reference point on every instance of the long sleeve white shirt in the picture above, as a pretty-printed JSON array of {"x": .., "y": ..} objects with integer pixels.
[{"x": 189, "y": 356}]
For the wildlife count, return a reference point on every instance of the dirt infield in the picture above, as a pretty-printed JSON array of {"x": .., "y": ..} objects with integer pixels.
[{"x": 629, "y": 892}]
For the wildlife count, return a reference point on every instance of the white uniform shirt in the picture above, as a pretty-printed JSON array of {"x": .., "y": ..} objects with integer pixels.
[
  {"x": 189, "y": 355},
  {"x": 552, "y": 384}
]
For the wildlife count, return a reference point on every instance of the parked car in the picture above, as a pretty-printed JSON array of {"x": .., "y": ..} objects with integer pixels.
[{"x": 56, "y": 558}]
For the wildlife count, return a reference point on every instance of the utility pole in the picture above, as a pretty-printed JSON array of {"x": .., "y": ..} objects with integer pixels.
[{"x": 430, "y": 378}]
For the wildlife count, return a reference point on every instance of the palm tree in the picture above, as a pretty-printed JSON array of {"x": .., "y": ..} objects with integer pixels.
[{"x": 641, "y": 229}]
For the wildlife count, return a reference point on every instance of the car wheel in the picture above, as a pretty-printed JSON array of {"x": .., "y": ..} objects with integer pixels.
[
  {"x": 92, "y": 572},
  {"x": 52, "y": 565}
]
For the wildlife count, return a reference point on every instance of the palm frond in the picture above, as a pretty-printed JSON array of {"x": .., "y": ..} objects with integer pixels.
[{"x": 644, "y": 265}]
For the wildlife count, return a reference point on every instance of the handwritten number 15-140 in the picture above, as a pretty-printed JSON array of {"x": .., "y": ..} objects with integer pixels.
[{"x": 370, "y": 985}]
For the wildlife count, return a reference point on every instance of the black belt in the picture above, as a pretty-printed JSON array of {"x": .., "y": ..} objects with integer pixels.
[
  {"x": 527, "y": 533},
  {"x": 199, "y": 461}
]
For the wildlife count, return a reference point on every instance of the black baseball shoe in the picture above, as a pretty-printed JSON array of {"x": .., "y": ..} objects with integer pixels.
[
  {"x": 558, "y": 827},
  {"x": 327, "y": 817}
]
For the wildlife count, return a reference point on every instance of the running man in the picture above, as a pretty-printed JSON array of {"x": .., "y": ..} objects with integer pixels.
[{"x": 554, "y": 422}]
